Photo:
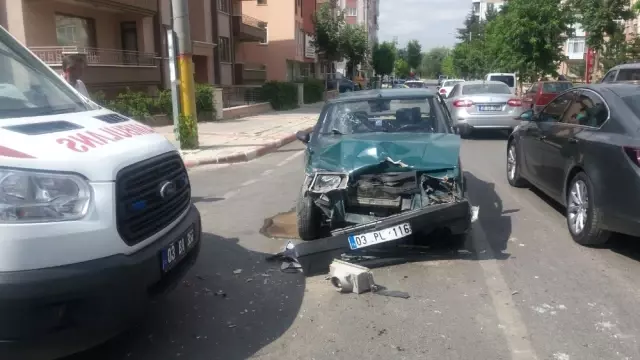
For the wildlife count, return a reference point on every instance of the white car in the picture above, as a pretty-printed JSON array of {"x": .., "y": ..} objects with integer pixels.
[
  {"x": 447, "y": 85},
  {"x": 96, "y": 217}
]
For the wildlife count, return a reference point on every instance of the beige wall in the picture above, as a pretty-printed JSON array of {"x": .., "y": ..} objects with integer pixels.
[{"x": 280, "y": 17}]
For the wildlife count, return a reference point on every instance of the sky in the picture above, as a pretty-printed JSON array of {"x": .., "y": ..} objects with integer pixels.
[{"x": 432, "y": 22}]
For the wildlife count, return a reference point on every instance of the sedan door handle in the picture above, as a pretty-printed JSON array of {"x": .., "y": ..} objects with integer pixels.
[{"x": 573, "y": 141}]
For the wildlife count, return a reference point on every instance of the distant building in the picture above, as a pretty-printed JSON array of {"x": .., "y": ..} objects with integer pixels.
[{"x": 482, "y": 7}]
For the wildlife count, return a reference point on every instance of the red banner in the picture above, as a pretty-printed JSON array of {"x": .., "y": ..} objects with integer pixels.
[{"x": 591, "y": 55}]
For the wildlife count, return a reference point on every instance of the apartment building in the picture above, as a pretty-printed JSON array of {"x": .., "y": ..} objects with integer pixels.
[
  {"x": 574, "y": 49},
  {"x": 125, "y": 41},
  {"x": 286, "y": 51},
  {"x": 482, "y": 7},
  {"x": 118, "y": 37}
]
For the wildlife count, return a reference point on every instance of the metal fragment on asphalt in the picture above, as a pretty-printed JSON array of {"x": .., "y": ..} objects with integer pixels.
[{"x": 237, "y": 271}]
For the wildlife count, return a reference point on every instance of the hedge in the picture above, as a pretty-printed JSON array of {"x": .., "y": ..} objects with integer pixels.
[
  {"x": 313, "y": 90},
  {"x": 281, "y": 95}
]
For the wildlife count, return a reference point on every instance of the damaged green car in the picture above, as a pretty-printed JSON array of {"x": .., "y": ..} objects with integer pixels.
[{"x": 382, "y": 165}]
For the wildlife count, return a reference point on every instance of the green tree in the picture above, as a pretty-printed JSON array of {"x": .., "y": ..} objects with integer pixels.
[
  {"x": 401, "y": 68},
  {"x": 402, "y": 54},
  {"x": 383, "y": 58},
  {"x": 355, "y": 46},
  {"x": 448, "y": 67},
  {"x": 414, "y": 54},
  {"x": 519, "y": 40},
  {"x": 431, "y": 65},
  {"x": 328, "y": 22},
  {"x": 578, "y": 69},
  {"x": 599, "y": 19}
]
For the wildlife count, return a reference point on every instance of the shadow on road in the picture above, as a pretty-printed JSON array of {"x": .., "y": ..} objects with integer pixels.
[
  {"x": 494, "y": 219},
  {"x": 218, "y": 312}
]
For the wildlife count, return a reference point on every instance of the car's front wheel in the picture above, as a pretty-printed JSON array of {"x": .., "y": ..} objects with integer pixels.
[
  {"x": 309, "y": 218},
  {"x": 583, "y": 217},
  {"x": 513, "y": 166}
]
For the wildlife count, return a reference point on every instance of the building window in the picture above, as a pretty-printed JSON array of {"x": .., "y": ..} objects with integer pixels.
[
  {"x": 224, "y": 47},
  {"x": 224, "y": 6},
  {"x": 262, "y": 2},
  {"x": 75, "y": 31},
  {"x": 576, "y": 46},
  {"x": 263, "y": 25},
  {"x": 352, "y": 12}
]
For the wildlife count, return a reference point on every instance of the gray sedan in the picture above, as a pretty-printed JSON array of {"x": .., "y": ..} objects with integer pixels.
[{"x": 478, "y": 105}]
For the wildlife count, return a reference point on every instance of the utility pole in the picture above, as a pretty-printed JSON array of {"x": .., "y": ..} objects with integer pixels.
[{"x": 180, "y": 9}]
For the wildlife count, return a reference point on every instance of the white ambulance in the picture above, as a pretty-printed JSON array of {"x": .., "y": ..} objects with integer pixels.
[{"x": 96, "y": 217}]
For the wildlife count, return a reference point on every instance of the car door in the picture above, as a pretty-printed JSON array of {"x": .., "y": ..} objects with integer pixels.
[
  {"x": 529, "y": 97},
  {"x": 549, "y": 120},
  {"x": 586, "y": 113},
  {"x": 534, "y": 134}
]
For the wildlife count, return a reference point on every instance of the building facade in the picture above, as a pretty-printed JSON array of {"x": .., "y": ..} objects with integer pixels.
[
  {"x": 482, "y": 7},
  {"x": 361, "y": 12},
  {"x": 286, "y": 50}
]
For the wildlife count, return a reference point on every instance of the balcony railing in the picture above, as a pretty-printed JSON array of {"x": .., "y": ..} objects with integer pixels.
[
  {"x": 250, "y": 74},
  {"x": 240, "y": 95},
  {"x": 246, "y": 28},
  {"x": 148, "y": 7},
  {"x": 53, "y": 55}
]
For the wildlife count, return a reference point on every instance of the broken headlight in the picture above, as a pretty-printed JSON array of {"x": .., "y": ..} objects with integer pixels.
[{"x": 326, "y": 182}]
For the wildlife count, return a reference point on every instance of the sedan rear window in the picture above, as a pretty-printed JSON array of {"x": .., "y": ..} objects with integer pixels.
[
  {"x": 451, "y": 83},
  {"x": 556, "y": 87},
  {"x": 507, "y": 79},
  {"x": 628, "y": 74},
  {"x": 485, "y": 89},
  {"x": 414, "y": 84}
]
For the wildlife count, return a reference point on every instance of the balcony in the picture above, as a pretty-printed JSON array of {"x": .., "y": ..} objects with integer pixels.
[
  {"x": 144, "y": 7},
  {"x": 106, "y": 66},
  {"x": 248, "y": 29},
  {"x": 575, "y": 49},
  {"x": 250, "y": 74}
]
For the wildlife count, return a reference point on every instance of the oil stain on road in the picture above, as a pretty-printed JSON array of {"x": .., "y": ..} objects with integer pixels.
[{"x": 281, "y": 226}]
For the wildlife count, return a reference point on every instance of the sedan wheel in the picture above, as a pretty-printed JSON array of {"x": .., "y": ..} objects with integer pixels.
[
  {"x": 513, "y": 166},
  {"x": 583, "y": 217}
]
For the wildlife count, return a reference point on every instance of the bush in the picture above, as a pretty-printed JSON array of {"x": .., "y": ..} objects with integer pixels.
[
  {"x": 313, "y": 90},
  {"x": 137, "y": 105},
  {"x": 204, "y": 98},
  {"x": 281, "y": 95}
]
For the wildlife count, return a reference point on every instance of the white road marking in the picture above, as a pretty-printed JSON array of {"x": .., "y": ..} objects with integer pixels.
[
  {"x": 266, "y": 172},
  {"x": 515, "y": 331},
  {"x": 247, "y": 183},
  {"x": 290, "y": 158},
  {"x": 230, "y": 194}
]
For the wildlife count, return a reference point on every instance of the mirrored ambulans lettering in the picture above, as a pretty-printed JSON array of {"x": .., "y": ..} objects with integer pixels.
[{"x": 87, "y": 140}]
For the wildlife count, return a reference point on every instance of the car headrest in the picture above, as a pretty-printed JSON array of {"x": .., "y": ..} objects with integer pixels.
[{"x": 416, "y": 114}]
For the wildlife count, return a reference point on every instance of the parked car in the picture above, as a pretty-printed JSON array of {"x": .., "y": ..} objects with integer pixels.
[
  {"x": 508, "y": 78},
  {"x": 583, "y": 150},
  {"x": 622, "y": 73},
  {"x": 481, "y": 105},
  {"x": 447, "y": 85},
  {"x": 542, "y": 92},
  {"x": 381, "y": 165},
  {"x": 415, "y": 84},
  {"x": 343, "y": 84}
]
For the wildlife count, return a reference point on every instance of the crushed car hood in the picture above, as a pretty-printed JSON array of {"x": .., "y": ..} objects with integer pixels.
[{"x": 416, "y": 151}]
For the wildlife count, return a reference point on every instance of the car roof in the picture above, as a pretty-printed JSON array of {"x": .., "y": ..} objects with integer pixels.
[
  {"x": 555, "y": 81},
  {"x": 626, "y": 66},
  {"x": 387, "y": 94},
  {"x": 620, "y": 89},
  {"x": 481, "y": 82}
]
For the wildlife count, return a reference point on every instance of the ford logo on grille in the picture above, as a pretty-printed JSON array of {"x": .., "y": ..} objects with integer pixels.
[{"x": 167, "y": 189}]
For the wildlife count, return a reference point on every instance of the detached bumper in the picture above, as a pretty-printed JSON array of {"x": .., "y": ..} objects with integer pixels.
[
  {"x": 315, "y": 256},
  {"x": 54, "y": 312}
]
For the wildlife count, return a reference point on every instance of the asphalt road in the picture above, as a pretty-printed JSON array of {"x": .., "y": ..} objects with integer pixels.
[{"x": 530, "y": 294}]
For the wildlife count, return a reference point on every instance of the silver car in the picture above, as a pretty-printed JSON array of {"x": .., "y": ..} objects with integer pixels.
[{"x": 478, "y": 105}]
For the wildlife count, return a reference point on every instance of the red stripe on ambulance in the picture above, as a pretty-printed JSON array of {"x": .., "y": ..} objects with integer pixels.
[
  {"x": 7, "y": 152},
  {"x": 86, "y": 140}
]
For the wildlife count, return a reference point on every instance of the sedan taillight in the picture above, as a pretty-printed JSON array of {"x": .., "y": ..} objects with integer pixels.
[
  {"x": 462, "y": 103},
  {"x": 514, "y": 102},
  {"x": 443, "y": 91}
]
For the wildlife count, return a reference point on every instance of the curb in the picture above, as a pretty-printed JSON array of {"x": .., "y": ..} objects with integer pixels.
[{"x": 245, "y": 156}]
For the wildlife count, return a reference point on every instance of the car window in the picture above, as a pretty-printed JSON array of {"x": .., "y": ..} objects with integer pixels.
[
  {"x": 628, "y": 74},
  {"x": 534, "y": 88},
  {"x": 455, "y": 91},
  {"x": 610, "y": 77},
  {"x": 556, "y": 87},
  {"x": 554, "y": 110},
  {"x": 587, "y": 109},
  {"x": 507, "y": 79},
  {"x": 420, "y": 114},
  {"x": 473, "y": 89},
  {"x": 414, "y": 84},
  {"x": 451, "y": 83}
]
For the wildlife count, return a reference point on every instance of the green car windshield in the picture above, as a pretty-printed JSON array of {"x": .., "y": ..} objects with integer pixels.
[{"x": 416, "y": 115}]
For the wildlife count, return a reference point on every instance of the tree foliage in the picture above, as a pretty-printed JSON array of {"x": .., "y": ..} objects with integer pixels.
[
  {"x": 448, "y": 67},
  {"x": 431, "y": 65},
  {"x": 383, "y": 58},
  {"x": 401, "y": 68},
  {"x": 414, "y": 54},
  {"x": 355, "y": 45},
  {"x": 329, "y": 22},
  {"x": 599, "y": 19}
]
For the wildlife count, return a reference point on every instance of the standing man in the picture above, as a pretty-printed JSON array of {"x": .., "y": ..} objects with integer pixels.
[{"x": 72, "y": 69}]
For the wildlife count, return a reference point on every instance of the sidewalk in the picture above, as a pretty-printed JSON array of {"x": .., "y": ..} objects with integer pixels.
[{"x": 244, "y": 139}]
